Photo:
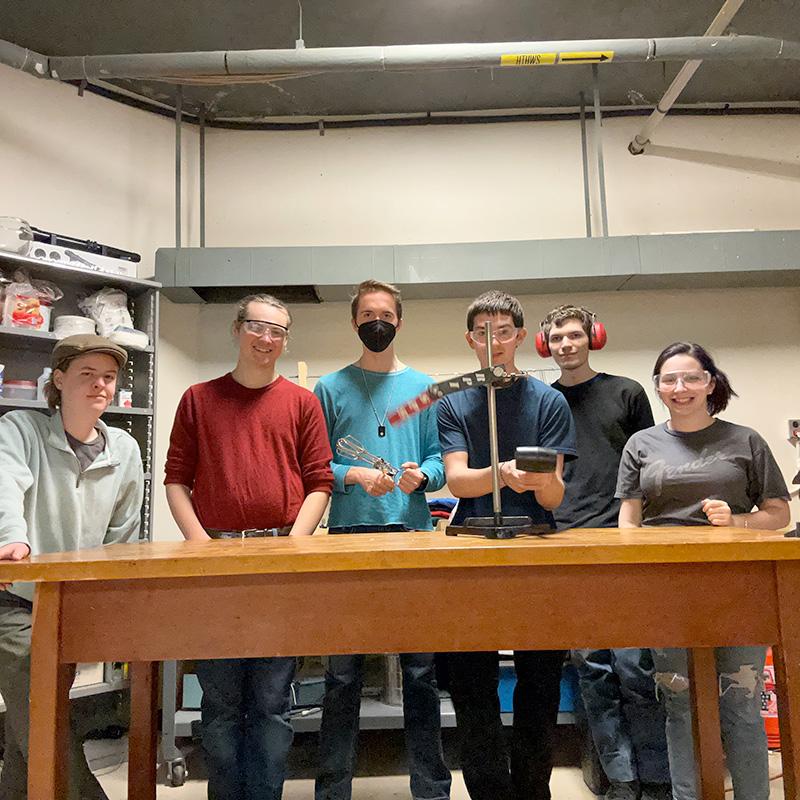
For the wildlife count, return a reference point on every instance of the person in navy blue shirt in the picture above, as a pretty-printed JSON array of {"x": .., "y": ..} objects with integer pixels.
[{"x": 529, "y": 413}]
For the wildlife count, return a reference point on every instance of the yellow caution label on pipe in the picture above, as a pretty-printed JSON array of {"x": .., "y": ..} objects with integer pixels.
[
  {"x": 527, "y": 59},
  {"x": 587, "y": 57}
]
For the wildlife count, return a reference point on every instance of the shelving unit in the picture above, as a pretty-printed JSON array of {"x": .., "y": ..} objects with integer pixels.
[{"x": 26, "y": 352}]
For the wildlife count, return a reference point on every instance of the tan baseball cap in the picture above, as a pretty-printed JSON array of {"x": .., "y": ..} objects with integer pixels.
[{"x": 84, "y": 343}]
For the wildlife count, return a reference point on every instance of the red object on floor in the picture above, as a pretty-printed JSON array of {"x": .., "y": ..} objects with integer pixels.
[{"x": 769, "y": 705}]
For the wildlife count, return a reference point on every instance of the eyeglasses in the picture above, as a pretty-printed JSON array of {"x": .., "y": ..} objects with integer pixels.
[
  {"x": 503, "y": 334},
  {"x": 691, "y": 379},
  {"x": 269, "y": 329}
]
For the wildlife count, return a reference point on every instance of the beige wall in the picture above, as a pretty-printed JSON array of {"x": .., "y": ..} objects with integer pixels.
[
  {"x": 95, "y": 168},
  {"x": 90, "y": 167},
  {"x": 494, "y": 182}
]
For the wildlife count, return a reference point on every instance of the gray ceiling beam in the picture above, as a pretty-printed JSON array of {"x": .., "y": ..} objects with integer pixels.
[{"x": 248, "y": 65}]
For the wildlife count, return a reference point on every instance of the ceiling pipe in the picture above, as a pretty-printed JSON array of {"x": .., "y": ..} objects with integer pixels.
[
  {"x": 243, "y": 65},
  {"x": 21, "y": 58},
  {"x": 716, "y": 28}
]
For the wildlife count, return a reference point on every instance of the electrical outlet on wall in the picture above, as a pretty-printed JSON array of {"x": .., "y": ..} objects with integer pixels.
[{"x": 794, "y": 431}]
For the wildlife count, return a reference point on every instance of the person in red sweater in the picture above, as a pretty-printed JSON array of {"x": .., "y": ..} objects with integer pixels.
[{"x": 248, "y": 456}]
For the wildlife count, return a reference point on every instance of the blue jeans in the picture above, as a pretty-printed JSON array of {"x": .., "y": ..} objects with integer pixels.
[
  {"x": 744, "y": 741},
  {"x": 246, "y": 728},
  {"x": 626, "y": 719},
  {"x": 338, "y": 739}
]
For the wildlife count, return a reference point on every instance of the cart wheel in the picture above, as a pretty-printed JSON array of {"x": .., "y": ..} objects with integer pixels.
[{"x": 176, "y": 773}]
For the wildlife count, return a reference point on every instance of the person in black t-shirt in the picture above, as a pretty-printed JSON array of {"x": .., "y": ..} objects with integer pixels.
[{"x": 626, "y": 720}]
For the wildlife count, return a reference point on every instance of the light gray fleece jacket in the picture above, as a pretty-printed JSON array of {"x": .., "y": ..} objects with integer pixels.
[{"x": 48, "y": 503}]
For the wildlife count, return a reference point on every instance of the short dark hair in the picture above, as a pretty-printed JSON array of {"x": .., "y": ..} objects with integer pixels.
[
  {"x": 370, "y": 286},
  {"x": 558, "y": 316},
  {"x": 495, "y": 302},
  {"x": 723, "y": 391},
  {"x": 266, "y": 299}
]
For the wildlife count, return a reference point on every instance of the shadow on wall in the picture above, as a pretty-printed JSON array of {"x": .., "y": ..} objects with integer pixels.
[{"x": 763, "y": 166}]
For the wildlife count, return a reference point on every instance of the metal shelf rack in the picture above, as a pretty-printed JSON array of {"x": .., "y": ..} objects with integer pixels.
[{"x": 25, "y": 352}]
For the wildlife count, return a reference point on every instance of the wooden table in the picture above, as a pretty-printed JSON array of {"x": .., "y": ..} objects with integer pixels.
[{"x": 676, "y": 587}]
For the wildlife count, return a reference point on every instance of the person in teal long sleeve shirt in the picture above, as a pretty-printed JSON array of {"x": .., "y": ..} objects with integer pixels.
[
  {"x": 356, "y": 401},
  {"x": 359, "y": 497}
]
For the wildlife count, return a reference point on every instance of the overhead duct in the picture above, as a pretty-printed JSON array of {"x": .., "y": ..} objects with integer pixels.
[
  {"x": 542, "y": 266},
  {"x": 248, "y": 65}
]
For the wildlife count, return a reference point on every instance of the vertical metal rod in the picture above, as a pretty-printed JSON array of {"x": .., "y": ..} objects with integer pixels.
[
  {"x": 598, "y": 130},
  {"x": 202, "y": 176},
  {"x": 178, "y": 119},
  {"x": 493, "y": 448},
  {"x": 587, "y": 206}
]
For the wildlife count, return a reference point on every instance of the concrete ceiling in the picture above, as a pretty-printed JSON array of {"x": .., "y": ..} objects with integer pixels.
[{"x": 92, "y": 27}]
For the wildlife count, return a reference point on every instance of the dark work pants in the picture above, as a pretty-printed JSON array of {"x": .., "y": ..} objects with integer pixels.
[{"x": 484, "y": 757}]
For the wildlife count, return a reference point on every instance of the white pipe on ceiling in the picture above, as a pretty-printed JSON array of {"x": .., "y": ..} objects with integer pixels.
[
  {"x": 24, "y": 59},
  {"x": 248, "y": 65},
  {"x": 716, "y": 28}
]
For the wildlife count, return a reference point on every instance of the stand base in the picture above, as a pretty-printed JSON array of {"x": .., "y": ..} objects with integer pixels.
[{"x": 508, "y": 528}]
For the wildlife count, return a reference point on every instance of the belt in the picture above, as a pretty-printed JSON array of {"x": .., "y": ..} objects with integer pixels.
[
  {"x": 249, "y": 533},
  {"x": 9, "y": 599}
]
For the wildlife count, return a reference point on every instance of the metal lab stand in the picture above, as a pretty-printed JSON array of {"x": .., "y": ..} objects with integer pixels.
[{"x": 174, "y": 761}]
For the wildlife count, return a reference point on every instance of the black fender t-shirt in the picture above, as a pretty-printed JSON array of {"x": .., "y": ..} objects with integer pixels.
[{"x": 673, "y": 472}]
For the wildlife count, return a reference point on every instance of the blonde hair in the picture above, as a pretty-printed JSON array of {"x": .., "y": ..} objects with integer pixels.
[{"x": 266, "y": 299}]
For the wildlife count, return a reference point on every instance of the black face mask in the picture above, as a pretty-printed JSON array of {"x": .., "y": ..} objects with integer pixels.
[{"x": 376, "y": 334}]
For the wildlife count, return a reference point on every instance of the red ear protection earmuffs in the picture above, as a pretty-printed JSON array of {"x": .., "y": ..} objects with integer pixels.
[{"x": 597, "y": 338}]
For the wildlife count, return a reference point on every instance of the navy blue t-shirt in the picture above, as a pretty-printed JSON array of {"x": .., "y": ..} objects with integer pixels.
[{"x": 529, "y": 414}]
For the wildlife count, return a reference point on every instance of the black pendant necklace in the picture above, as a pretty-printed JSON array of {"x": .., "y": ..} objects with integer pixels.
[{"x": 380, "y": 420}]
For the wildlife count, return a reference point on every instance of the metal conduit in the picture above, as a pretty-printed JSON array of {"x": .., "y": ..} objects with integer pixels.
[
  {"x": 598, "y": 128},
  {"x": 717, "y": 26},
  {"x": 21, "y": 58},
  {"x": 225, "y": 67}
]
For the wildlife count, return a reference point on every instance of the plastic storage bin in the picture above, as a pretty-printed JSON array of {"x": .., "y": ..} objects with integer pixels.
[{"x": 19, "y": 390}]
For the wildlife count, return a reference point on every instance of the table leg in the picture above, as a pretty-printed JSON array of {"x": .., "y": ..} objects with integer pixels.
[
  {"x": 49, "y": 698},
  {"x": 143, "y": 736},
  {"x": 705, "y": 723},
  {"x": 786, "y": 654}
]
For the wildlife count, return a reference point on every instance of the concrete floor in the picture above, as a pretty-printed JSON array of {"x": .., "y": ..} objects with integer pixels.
[{"x": 381, "y": 775}]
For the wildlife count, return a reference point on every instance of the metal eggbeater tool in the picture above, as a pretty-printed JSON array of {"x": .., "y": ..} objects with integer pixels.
[{"x": 352, "y": 448}]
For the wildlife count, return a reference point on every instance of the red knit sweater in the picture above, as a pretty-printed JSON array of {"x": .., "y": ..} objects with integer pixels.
[{"x": 250, "y": 456}]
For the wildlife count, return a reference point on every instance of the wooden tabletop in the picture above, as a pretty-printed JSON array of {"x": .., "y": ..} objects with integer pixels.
[{"x": 416, "y": 550}]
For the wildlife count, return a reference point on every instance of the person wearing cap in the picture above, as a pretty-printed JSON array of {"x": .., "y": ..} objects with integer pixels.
[{"x": 67, "y": 482}]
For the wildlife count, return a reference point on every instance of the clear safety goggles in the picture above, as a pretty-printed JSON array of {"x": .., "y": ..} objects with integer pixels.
[{"x": 690, "y": 379}]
